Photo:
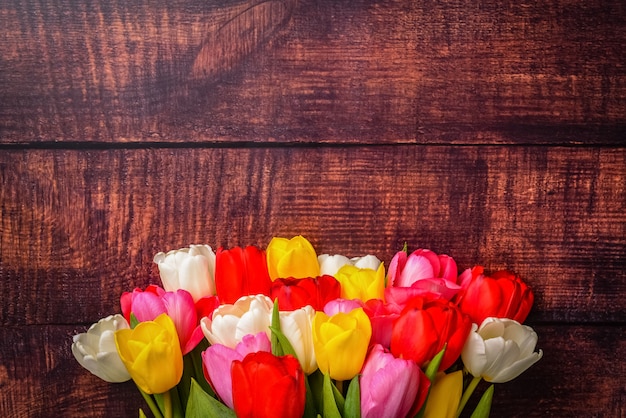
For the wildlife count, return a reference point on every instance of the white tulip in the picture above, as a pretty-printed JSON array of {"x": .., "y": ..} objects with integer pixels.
[
  {"x": 330, "y": 264},
  {"x": 191, "y": 269},
  {"x": 230, "y": 323},
  {"x": 95, "y": 349},
  {"x": 297, "y": 326},
  {"x": 500, "y": 350}
]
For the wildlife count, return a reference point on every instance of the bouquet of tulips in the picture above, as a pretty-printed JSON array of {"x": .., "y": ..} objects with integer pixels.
[{"x": 283, "y": 332}]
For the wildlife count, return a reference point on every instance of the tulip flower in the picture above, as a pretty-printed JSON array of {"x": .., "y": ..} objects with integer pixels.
[
  {"x": 231, "y": 322},
  {"x": 151, "y": 353},
  {"x": 179, "y": 306},
  {"x": 445, "y": 396},
  {"x": 330, "y": 264},
  {"x": 425, "y": 326},
  {"x": 241, "y": 272},
  {"x": 390, "y": 386},
  {"x": 296, "y": 293},
  {"x": 293, "y": 257},
  {"x": 425, "y": 273},
  {"x": 363, "y": 284},
  {"x": 501, "y": 295},
  {"x": 95, "y": 349},
  {"x": 191, "y": 269},
  {"x": 265, "y": 385},
  {"x": 297, "y": 327},
  {"x": 218, "y": 359},
  {"x": 500, "y": 350},
  {"x": 341, "y": 342},
  {"x": 382, "y": 317}
]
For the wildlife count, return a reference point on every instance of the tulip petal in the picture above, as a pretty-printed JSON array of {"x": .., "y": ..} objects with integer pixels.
[
  {"x": 474, "y": 353},
  {"x": 517, "y": 368}
]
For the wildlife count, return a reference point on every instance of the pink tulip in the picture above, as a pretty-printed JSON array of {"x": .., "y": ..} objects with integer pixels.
[
  {"x": 390, "y": 386},
  {"x": 425, "y": 273},
  {"x": 218, "y": 359},
  {"x": 382, "y": 316},
  {"x": 341, "y": 305},
  {"x": 179, "y": 306}
]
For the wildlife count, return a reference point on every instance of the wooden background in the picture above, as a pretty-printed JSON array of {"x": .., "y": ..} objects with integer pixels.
[{"x": 492, "y": 131}]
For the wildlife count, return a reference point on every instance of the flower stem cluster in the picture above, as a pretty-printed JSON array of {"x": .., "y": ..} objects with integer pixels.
[{"x": 285, "y": 332}]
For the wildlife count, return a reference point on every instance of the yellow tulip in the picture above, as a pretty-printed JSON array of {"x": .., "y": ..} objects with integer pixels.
[
  {"x": 293, "y": 257},
  {"x": 151, "y": 353},
  {"x": 445, "y": 396},
  {"x": 340, "y": 342},
  {"x": 361, "y": 283}
]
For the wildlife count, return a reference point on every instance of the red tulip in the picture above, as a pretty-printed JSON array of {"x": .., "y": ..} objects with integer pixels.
[
  {"x": 501, "y": 295},
  {"x": 265, "y": 385},
  {"x": 241, "y": 272},
  {"x": 425, "y": 326},
  {"x": 294, "y": 294}
]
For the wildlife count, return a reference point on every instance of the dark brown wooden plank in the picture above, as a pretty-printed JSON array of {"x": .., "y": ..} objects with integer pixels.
[
  {"x": 336, "y": 71},
  {"x": 579, "y": 375},
  {"x": 79, "y": 227}
]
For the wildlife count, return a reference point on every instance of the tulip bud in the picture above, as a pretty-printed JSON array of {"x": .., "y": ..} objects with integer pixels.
[
  {"x": 267, "y": 386},
  {"x": 500, "y": 350},
  {"x": 501, "y": 295},
  {"x": 297, "y": 328},
  {"x": 363, "y": 284},
  {"x": 230, "y": 323},
  {"x": 293, "y": 257},
  {"x": 341, "y": 342},
  {"x": 241, "y": 272},
  {"x": 390, "y": 386},
  {"x": 425, "y": 327},
  {"x": 191, "y": 269},
  {"x": 95, "y": 349},
  {"x": 151, "y": 353}
]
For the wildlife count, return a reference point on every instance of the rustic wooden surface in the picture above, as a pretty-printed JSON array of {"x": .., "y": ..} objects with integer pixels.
[{"x": 490, "y": 131}]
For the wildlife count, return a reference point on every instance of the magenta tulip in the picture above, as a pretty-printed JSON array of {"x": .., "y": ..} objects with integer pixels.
[
  {"x": 425, "y": 272},
  {"x": 179, "y": 306},
  {"x": 391, "y": 387}
]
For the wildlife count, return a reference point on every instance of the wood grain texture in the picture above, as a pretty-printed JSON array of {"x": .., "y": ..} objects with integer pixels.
[
  {"x": 79, "y": 227},
  {"x": 492, "y": 131},
  {"x": 332, "y": 71},
  {"x": 37, "y": 365}
]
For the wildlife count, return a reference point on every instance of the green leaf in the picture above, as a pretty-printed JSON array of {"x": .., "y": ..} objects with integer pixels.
[
  {"x": 484, "y": 405},
  {"x": 352, "y": 407},
  {"x": 142, "y": 414},
  {"x": 431, "y": 373},
  {"x": 310, "y": 411},
  {"x": 433, "y": 366},
  {"x": 275, "y": 328},
  {"x": 330, "y": 407},
  {"x": 284, "y": 344},
  {"x": 201, "y": 405},
  {"x": 280, "y": 344},
  {"x": 133, "y": 321},
  {"x": 316, "y": 383}
]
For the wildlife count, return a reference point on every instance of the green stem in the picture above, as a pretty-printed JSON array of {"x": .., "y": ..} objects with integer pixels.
[
  {"x": 339, "y": 386},
  {"x": 151, "y": 404},
  {"x": 466, "y": 395},
  {"x": 167, "y": 402}
]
